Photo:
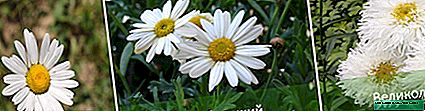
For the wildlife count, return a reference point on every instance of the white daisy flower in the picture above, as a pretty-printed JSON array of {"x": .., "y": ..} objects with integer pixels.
[
  {"x": 36, "y": 82},
  {"x": 196, "y": 19},
  {"x": 198, "y": 16},
  {"x": 367, "y": 71},
  {"x": 392, "y": 24},
  {"x": 220, "y": 48},
  {"x": 161, "y": 29}
]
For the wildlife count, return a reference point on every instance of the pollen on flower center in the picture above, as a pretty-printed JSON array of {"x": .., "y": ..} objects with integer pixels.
[
  {"x": 164, "y": 27},
  {"x": 38, "y": 79},
  {"x": 385, "y": 72},
  {"x": 222, "y": 49},
  {"x": 197, "y": 20},
  {"x": 405, "y": 12}
]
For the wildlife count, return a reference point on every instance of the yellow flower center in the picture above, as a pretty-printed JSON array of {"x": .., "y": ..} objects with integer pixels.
[
  {"x": 197, "y": 20},
  {"x": 38, "y": 79},
  {"x": 222, "y": 49},
  {"x": 164, "y": 27},
  {"x": 385, "y": 72},
  {"x": 405, "y": 12}
]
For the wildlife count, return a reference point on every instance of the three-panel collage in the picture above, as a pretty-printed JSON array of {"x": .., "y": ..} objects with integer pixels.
[{"x": 212, "y": 55}]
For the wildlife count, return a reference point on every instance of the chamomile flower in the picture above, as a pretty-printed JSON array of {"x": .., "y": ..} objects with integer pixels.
[
  {"x": 220, "y": 50},
  {"x": 196, "y": 19},
  {"x": 392, "y": 24},
  {"x": 367, "y": 71},
  {"x": 160, "y": 29},
  {"x": 37, "y": 82},
  {"x": 198, "y": 16}
]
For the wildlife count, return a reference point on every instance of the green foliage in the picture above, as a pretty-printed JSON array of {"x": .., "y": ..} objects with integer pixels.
[
  {"x": 335, "y": 24},
  {"x": 167, "y": 89}
]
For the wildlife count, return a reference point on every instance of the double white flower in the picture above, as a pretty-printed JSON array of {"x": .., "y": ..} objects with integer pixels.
[
  {"x": 391, "y": 34},
  {"x": 392, "y": 24}
]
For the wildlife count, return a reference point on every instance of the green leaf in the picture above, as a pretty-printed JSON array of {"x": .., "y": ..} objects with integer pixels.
[{"x": 125, "y": 57}]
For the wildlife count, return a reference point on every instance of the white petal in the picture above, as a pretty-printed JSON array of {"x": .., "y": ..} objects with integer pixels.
[
  {"x": 141, "y": 35},
  {"x": 209, "y": 28},
  {"x": 28, "y": 102},
  {"x": 144, "y": 30},
  {"x": 21, "y": 51},
  {"x": 181, "y": 21},
  {"x": 225, "y": 23},
  {"x": 250, "y": 35},
  {"x": 149, "y": 17},
  {"x": 173, "y": 38},
  {"x": 216, "y": 74},
  {"x": 53, "y": 46},
  {"x": 244, "y": 28},
  {"x": 192, "y": 50},
  {"x": 10, "y": 65},
  {"x": 179, "y": 8},
  {"x": 252, "y": 50},
  {"x": 218, "y": 23},
  {"x": 157, "y": 12},
  {"x": 202, "y": 37},
  {"x": 55, "y": 58},
  {"x": 14, "y": 64},
  {"x": 44, "y": 102},
  {"x": 230, "y": 73},
  {"x": 58, "y": 95},
  {"x": 151, "y": 53},
  {"x": 64, "y": 83},
  {"x": 13, "y": 88},
  {"x": 44, "y": 48},
  {"x": 250, "y": 62},
  {"x": 143, "y": 44},
  {"x": 62, "y": 75},
  {"x": 20, "y": 96},
  {"x": 62, "y": 66},
  {"x": 18, "y": 64},
  {"x": 166, "y": 10},
  {"x": 254, "y": 79},
  {"x": 12, "y": 78},
  {"x": 143, "y": 26},
  {"x": 31, "y": 45},
  {"x": 37, "y": 104},
  {"x": 159, "y": 45},
  {"x": 235, "y": 24},
  {"x": 201, "y": 67},
  {"x": 242, "y": 72},
  {"x": 186, "y": 67},
  {"x": 185, "y": 31},
  {"x": 167, "y": 46},
  {"x": 54, "y": 104}
]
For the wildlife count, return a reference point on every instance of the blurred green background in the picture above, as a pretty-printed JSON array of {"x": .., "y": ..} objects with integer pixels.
[
  {"x": 79, "y": 26},
  {"x": 335, "y": 24},
  {"x": 286, "y": 83}
]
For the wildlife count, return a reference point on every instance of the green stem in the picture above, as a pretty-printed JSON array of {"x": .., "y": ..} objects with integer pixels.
[
  {"x": 124, "y": 81},
  {"x": 271, "y": 24},
  {"x": 282, "y": 17},
  {"x": 270, "y": 76}
]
